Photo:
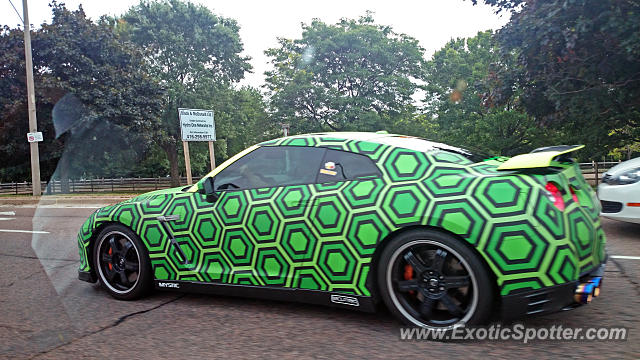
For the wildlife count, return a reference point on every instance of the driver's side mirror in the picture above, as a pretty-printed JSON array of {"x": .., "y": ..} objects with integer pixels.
[{"x": 208, "y": 189}]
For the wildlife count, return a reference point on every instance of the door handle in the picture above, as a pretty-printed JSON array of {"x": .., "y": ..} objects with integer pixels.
[{"x": 164, "y": 222}]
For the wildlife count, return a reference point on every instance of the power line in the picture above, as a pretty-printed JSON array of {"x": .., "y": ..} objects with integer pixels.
[{"x": 16, "y": 10}]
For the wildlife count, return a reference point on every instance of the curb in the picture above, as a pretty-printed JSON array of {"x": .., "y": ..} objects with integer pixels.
[{"x": 62, "y": 200}]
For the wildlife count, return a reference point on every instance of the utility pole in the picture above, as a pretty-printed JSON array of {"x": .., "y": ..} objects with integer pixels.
[{"x": 31, "y": 101}]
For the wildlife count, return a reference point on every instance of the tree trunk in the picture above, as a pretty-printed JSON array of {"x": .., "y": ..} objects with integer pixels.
[
  {"x": 64, "y": 173},
  {"x": 172, "y": 155}
]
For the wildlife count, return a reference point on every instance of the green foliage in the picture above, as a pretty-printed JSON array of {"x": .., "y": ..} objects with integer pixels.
[
  {"x": 353, "y": 75},
  {"x": 196, "y": 55},
  {"x": 625, "y": 153},
  {"x": 86, "y": 74},
  {"x": 185, "y": 42},
  {"x": 457, "y": 79},
  {"x": 579, "y": 67},
  {"x": 100, "y": 69},
  {"x": 503, "y": 5}
]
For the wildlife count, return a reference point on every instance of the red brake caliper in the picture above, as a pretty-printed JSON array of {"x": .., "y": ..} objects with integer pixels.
[
  {"x": 408, "y": 275},
  {"x": 110, "y": 266}
]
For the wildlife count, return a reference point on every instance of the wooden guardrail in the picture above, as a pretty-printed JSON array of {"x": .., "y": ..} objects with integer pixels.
[
  {"x": 135, "y": 185},
  {"x": 593, "y": 171}
]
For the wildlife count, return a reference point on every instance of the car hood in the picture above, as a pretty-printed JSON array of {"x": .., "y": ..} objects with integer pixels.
[
  {"x": 147, "y": 196},
  {"x": 624, "y": 166}
]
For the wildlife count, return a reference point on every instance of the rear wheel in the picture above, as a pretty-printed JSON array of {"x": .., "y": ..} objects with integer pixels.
[
  {"x": 430, "y": 279},
  {"x": 122, "y": 263}
]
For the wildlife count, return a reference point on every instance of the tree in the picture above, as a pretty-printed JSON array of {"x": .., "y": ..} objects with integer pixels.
[
  {"x": 192, "y": 52},
  {"x": 87, "y": 76},
  {"x": 504, "y": 5},
  {"x": 458, "y": 77},
  {"x": 351, "y": 75},
  {"x": 579, "y": 67}
]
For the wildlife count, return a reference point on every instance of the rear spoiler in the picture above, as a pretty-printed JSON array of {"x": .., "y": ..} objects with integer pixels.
[{"x": 540, "y": 157}]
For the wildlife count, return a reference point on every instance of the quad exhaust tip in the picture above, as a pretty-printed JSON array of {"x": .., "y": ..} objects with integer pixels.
[{"x": 586, "y": 291}]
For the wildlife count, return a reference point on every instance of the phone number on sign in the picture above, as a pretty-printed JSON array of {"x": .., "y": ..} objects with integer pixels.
[{"x": 199, "y": 137}]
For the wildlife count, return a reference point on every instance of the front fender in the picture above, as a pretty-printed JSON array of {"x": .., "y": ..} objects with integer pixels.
[{"x": 126, "y": 213}]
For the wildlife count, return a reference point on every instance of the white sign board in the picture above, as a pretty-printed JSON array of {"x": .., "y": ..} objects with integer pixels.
[
  {"x": 197, "y": 125},
  {"x": 34, "y": 137}
]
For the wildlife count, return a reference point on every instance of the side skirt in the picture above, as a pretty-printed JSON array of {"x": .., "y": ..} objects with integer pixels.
[{"x": 318, "y": 297}]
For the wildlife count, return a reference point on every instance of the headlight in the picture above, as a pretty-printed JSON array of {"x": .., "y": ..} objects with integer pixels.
[{"x": 627, "y": 177}]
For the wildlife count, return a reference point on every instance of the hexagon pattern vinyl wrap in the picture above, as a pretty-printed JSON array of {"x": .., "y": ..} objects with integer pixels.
[{"x": 324, "y": 236}]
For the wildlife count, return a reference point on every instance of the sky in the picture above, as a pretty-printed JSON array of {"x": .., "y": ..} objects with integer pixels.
[{"x": 432, "y": 22}]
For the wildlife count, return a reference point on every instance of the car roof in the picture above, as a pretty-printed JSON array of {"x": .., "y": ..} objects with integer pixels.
[
  {"x": 395, "y": 140},
  {"x": 346, "y": 135}
]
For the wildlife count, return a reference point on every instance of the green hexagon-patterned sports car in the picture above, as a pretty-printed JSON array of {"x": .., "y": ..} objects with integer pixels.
[{"x": 440, "y": 235}]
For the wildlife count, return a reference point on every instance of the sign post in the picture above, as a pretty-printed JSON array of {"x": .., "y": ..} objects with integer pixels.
[
  {"x": 187, "y": 161},
  {"x": 285, "y": 129},
  {"x": 196, "y": 125},
  {"x": 212, "y": 158}
]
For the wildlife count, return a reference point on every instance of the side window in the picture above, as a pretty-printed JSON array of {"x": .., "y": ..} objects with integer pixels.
[
  {"x": 272, "y": 166},
  {"x": 341, "y": 165}
]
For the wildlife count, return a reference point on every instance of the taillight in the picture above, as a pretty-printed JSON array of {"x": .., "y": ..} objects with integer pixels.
[
  {"x": 574, "y": 196},
  {"x": 555, "y": 195}
]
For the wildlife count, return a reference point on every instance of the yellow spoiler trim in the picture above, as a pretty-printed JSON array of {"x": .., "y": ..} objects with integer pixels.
[{"x": 535, "y": 160}]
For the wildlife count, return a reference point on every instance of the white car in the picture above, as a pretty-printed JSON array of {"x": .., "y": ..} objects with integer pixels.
[{"x": 619, "y": 192}]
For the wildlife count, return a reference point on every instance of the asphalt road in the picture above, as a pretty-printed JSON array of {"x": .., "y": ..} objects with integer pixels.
[{"x": 47, "y": 313}]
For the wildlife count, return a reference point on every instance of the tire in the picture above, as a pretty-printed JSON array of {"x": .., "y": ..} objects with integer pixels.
[
  {"x": 122, "y": 263},
  {"x": 432, "y": 280}
]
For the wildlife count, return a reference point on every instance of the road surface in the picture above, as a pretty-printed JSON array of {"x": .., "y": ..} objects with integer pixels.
[{"x": 48, "y": 313}]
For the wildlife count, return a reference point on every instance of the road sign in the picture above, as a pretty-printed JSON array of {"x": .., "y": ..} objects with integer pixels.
[
  {"x": 34, "y": 137},
  {"x": 197, "y": 125}
]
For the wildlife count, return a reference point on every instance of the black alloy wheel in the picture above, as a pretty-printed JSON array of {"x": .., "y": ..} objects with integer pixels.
[
  {"x": 122, "y": 263},
  {"x": 429, "y": 279}
]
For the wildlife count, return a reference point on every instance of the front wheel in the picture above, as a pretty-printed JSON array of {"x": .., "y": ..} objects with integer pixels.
[
  {"x": 122, "y": 263},
  {"x": 430, "y": 279}
]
